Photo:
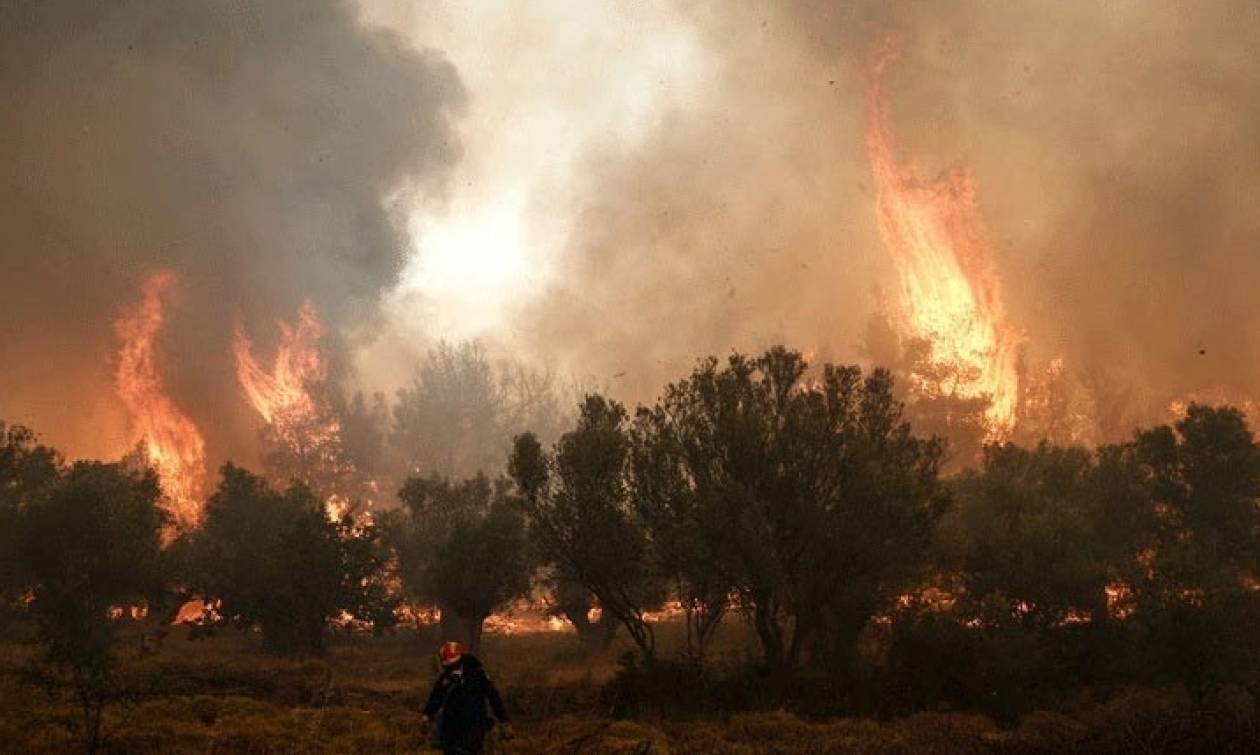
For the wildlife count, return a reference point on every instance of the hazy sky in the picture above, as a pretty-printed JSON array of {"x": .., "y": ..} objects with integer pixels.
[
  {"x": 610, "y": 188},
  {"x": 646, "y": 182}
]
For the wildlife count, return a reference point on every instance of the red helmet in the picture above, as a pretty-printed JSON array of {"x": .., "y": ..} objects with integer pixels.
[{"x": 450, "y": 653}]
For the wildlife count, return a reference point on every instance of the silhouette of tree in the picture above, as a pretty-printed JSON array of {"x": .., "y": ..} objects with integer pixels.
[
  {"x": 684, "y": 521},
  {"x": 277, "y": 561},
  {"x": 449, "y": 419},
  {"x": 576, "y": 498},
  {"x": 1199, "y": 602},
  {"x": 460, "y": 545},
  {"x": 460, "y": 411},
  {"x": 815, "y": 498},
  {"x": 26, "y": 468},
  {"x": 90, "y": 541},
  {"x": 1026, "y": 530}
]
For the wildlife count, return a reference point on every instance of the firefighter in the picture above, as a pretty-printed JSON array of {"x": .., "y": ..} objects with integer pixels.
[{"x": 457, "y": 707}]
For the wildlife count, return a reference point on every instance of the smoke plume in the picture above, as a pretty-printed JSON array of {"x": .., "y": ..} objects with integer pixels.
[
  {"x": 1114, "y": 147},
  {"x": 641, "y": 183},
  {"x": 258, "y": 151}
]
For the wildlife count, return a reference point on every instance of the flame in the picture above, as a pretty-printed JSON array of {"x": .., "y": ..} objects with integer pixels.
[
  {"x": 1215, "y": 396},
  {"x": 524, "y": 622},
  {"x": 172, "y": 442},
  {"x": 284, "y": 391},
  {"x": 285, "y": 395},
  {"x": 950, "y": 292}
]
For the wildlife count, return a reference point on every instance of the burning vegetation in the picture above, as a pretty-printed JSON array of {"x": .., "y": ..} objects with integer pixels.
[
  {"x": 980, "y": 514},
  {"x": 950, "y": 295},
  {"x": 168, "y": 438},
  {"x": 302, "y": 436}
]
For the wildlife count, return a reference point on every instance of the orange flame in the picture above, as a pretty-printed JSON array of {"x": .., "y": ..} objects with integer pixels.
[
  {"x": 298, "y": 365},
  {"x": 950, "y": 291},
  {"x": 284, "y": 395},
  {"x": 174, "y": 446}
]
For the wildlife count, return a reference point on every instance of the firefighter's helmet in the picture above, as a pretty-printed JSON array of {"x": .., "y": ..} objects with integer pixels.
[{"x": 450, "y": 653}]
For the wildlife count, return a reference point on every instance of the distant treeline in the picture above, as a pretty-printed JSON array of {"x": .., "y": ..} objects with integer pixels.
[{"x": 756, "y": 490}]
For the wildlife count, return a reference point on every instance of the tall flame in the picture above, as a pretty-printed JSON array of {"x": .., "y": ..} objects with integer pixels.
[
  {"x": 172, "y": 442},
  {"x": 950, "y": 292},
  {"x": 284, "y": 395},
  {"x": 284, "y": 391}
]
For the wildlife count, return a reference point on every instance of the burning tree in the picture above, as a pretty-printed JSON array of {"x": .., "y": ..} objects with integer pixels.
[
  {"x": 277, "y": 561},
  {"x": 302, "y": 434},
  {"x": 950, "y": 293}
]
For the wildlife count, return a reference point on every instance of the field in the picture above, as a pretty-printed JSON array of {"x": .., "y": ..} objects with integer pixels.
[{"x": 220, "y": 694}]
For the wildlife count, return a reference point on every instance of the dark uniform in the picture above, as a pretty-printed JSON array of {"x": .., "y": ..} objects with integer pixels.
[{"x": 462, "y": 695}]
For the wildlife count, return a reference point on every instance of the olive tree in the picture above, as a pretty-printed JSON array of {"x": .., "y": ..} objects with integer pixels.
[
  {"x": 461, "y": 545},
  {"x": 577, "y": 500}
]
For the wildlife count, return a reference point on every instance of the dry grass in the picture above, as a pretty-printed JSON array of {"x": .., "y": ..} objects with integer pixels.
[{"x": 222, "y": 695}]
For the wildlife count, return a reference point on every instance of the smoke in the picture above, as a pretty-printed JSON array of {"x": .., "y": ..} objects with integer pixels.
[
  {"x": 259, "y": 151},
  {"x": 1114, "y": 147},
  {"x": 639, "y": 184}
]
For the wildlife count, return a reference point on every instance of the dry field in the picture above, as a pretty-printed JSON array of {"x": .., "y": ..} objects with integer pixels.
[{"x": 221, "y": 695}]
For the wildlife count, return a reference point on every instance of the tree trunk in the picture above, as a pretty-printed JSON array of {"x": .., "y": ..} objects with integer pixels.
[
  {"x": 771, "y": 636},
  {"x": 463, "y": 629},
  {"x": 594, "y": 636},
  {"x": 774, "y": 654},
  {"x": 573, "y": 602}
]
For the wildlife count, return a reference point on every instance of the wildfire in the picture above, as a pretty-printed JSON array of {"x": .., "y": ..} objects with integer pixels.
[
  {"x": 950, "y": 293},
  {"x": 172, "y": 442},
  {"x": 301, "y": 424},
  {"x": 1218, "y": 396},
  {"x": 283, "y": 392}
]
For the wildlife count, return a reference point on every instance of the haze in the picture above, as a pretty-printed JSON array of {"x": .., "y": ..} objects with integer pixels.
[{"x": 612, "y": 190}]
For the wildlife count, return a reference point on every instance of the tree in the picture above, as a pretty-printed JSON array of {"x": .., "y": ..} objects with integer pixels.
[
  {"x": 1204, "y": 482},
  {"x": 535, "y": 401},
  {"x": 90, "y": 541},
  {"x": 1039, "y": 553},
  {"x": 460, "y": 411},
  {"x": 276, "y": 561},
  {"x": 460, "y": 545},
  {"x": 449, "y": 419},
  {"x": 363, "y": 429},
  {"x": 936, "y": 400},
  {"x": 1025, "y": 529},
  {"x": 819, "y": 499},
  {"x": 684, "y": 522},
  {"x": 1205, "y": 479},
  {"x": 568, "y": 594},
  {"x": 26, "y": 468},
  {"x": 570, "y": 600},
  {"x": 576, "y": 498}
]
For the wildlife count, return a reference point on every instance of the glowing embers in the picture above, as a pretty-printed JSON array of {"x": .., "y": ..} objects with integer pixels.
[
  {"x": 950, "y": 294},
  {"x": 170, "y": 440}
]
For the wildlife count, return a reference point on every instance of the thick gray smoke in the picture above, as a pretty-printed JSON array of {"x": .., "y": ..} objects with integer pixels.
[
  {"x": 253, "y": 148},
  {"x": 249, "y": 147},
  {"x": 1115, "y": 149}
]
